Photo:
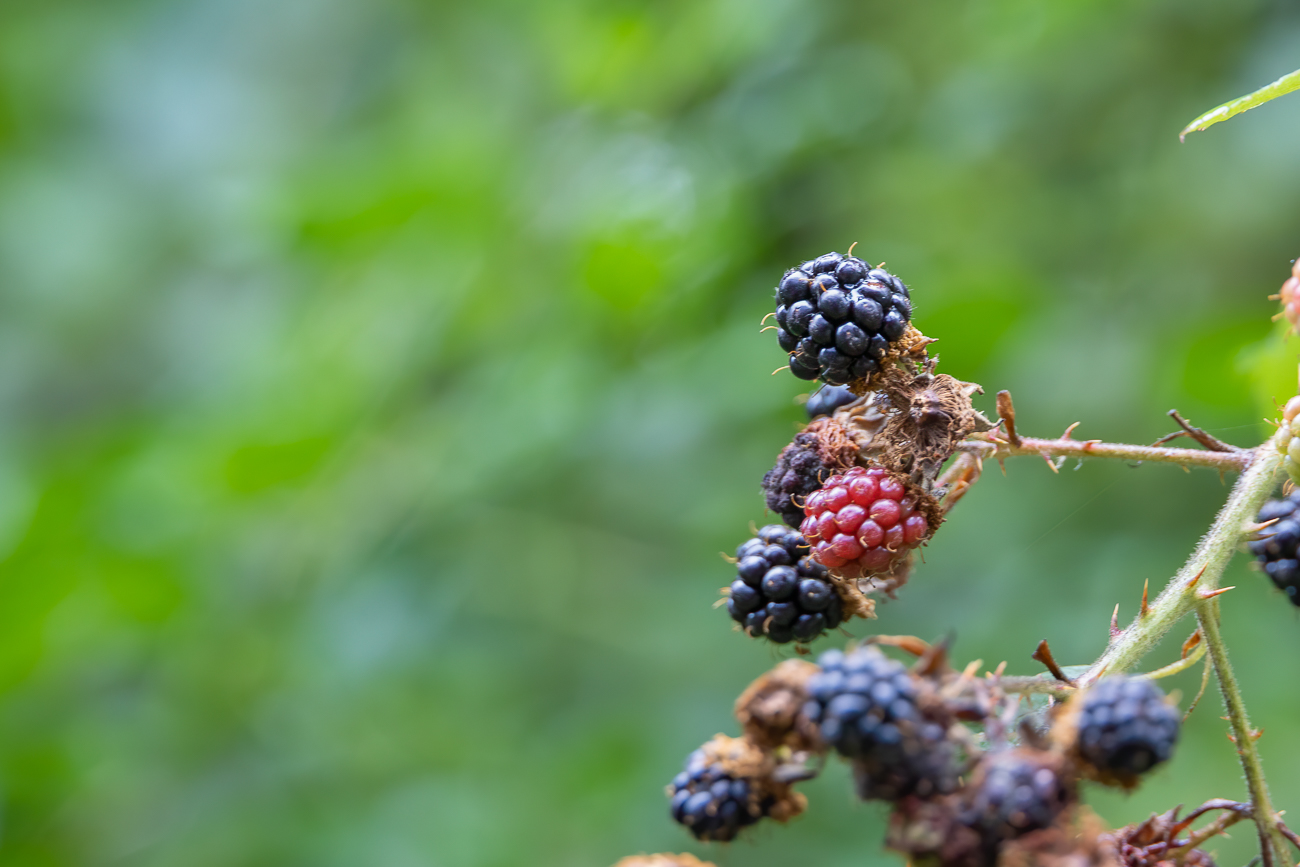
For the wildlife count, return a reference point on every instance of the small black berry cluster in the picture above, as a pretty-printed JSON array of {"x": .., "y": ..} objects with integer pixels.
[
  {"x": 837, "y": 317},
  {"x": 799, "y": 471},
  {"x": 827, "y": 399},
  {"x": 712, "y": 804},
  {"x": 866, "y": 707},
  {"x": 1126, "y": 727},
  {"x": 1017, "y": 791},
  {"x": 781, "y": 593},
  {"x": 1278, "y": 548}
]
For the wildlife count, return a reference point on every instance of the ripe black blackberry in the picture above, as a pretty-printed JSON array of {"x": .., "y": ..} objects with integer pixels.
[
  {"x": 866, "y": 707},
  {"x": 729, "y": 784},
  {"x": 1278, "y": 548},
  {"x": 780, "y": 592},
  {"x": 837, "y": 317},
  {"x": 1016, "y": 791},
  {"x": 827, "y": 399},
  {"x": 1125, "y": 727}
]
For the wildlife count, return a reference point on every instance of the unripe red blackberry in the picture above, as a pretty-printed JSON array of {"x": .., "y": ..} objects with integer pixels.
[
  {"x": 1126, "y": 727},
  {"x": 838, "y": 317},
  {"x": 781, "y": 593},
  {"x": 827, "y": 399},
  {"x": 1016, "y": 791},
  {"x": 728, "y": 785},
  {"x": 863, "y": 521},
  {"x": 1277, "y": 550},
  {"x": 866, "y": 707}
]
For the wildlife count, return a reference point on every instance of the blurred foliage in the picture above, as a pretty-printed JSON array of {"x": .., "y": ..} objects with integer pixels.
[{"x": 380, "y": 381}]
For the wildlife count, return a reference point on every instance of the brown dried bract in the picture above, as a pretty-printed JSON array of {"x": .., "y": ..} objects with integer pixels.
[
  {"x": 835, "y": 446},
  {"x": 908, "y": 349},
  {"x": 1155, "y": 843},
  {"x": 769, "y": 710},
  {"x": 1076, "y": 840},
  {"x": 933, "y": 415},
  {"x": 931, "y": 830},
  {"x": 663, "y": 859},
  {"x": 740, "y": 758}
]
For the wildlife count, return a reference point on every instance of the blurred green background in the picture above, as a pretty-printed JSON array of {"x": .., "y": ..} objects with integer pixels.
[{"x": 380, "y": 380}]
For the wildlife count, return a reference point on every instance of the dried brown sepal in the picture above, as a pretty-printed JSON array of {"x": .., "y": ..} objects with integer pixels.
[
  {"x": 1076, "y": 840},
  {"x": 663, "y": 859},
  {"x": 907, "y": 350},
  {"x": 934, "y": 414},
  {"x": 769, "y": 710},
  {"x": 930, "y": 831},
  {"x": 837, "y": 449},
  {"x": 740, "y": 758},
  {"x": 1155, "y": 843},
  {"x": 855, "y": 602}
]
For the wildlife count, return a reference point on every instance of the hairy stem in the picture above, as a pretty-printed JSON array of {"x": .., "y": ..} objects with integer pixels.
[
  {"x": 1272, "y": 845},
  {"x": 1199, "y": 578},
  {"x": 1234, "y": 460}
]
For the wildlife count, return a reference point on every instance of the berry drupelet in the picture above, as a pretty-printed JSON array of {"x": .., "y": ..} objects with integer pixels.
[
  {"x": 1125, "y": 727},
  {"x": 781, "y": 593},
  {"x": 827, "y": 399},
  {"x": 863, "y": 521},
  {"x": 837, "y": 317},
  {"x": 1277, "y": 550},
  {"x": 866, "y": 707}
]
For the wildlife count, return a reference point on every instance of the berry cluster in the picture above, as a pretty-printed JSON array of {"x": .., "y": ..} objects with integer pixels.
[
  {"x": 866, "y": 706},
  {"x": 827, "y": 399},
  {"x": 837, "y": 317},
  {"x": 1287, "y": 438},
  {"x": 712, "y": 804},
  {"x": 863, "y": 521},
  {"x": 1277, "y": 549},
  {"x": 1126, "y": 727},
  {"x": 781, "y": 593},
  {"x": 1017, "y": 791},
  {"x": 728, "y": 784}
]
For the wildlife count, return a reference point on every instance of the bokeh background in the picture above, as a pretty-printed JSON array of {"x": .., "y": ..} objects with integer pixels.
[{"x": 380, "y": 381}]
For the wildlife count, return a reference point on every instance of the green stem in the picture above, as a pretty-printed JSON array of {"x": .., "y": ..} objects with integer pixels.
[
  {"x": 1262, "y": 807},
  {"x": 1202, "y": 571}
]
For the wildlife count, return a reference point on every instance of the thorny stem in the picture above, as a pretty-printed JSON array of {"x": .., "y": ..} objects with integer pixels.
[
  {"x": 1193, "y": 588},
  {"x": 1266, "y": 819},
  {"x": 1069, "y": 448},
  {"x": 1200, "y": 575}
]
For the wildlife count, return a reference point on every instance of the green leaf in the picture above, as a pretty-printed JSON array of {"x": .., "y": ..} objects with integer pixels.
[{"x": 1281, "y": 87}]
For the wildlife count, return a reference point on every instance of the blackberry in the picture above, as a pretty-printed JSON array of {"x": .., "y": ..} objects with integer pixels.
[
  {"x": 1125, "y": 727},
  {"x": 838, "y": 317},
  {"x": 727, "y": 785},
  {"x": 828, "y": 399},
  {"x": 780, "y": 593},
  {"x": 799, "y": 471},
  {"x": 1277, "y": 550},
  {"x": 863, "y": 521},
  {"x": 1016, "y": 791},
  {"x": 866, "y": 707}
]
